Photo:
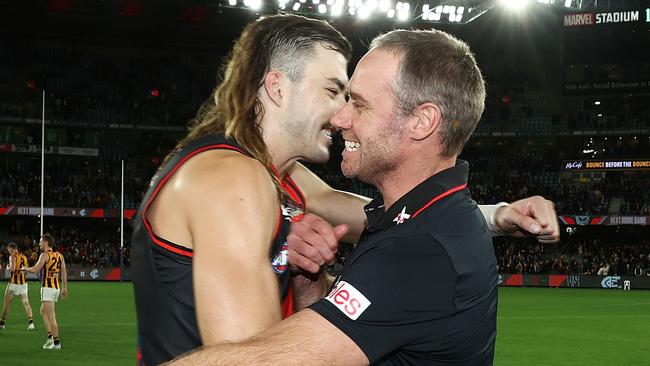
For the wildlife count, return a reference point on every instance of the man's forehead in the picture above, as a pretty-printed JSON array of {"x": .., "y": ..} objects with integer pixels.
[{"x": 368, "y": 82}]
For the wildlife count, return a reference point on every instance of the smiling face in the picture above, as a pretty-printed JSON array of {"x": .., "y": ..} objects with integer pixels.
[
  {"x": 312, "y": 102},
  {"x": 371, "y": 126}
]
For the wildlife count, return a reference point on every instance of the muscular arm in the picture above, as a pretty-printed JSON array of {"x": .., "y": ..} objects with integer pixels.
[
  {"x": 305, "y": 338},
  {"x": 232, "y": 211},
  {"x": 42, "y": 259}
]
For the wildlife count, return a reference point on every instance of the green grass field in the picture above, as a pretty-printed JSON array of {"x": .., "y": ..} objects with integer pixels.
[{"x": 537, "y": 326}]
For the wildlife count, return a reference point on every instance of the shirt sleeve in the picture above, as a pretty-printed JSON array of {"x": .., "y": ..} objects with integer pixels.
[{"x": 395, "y": 295}]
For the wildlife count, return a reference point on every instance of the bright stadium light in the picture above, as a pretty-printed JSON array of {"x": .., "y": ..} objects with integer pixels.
[
  {"x": 296, "y": 6},
  {"x": 460, "y": 10},
  {"x": 316, "y": 2},
  {"x": 515, "y": 5},
  {"x": 364, "y": 12},
  {"x": 403, "y": 14},
  {"x": 232, "y": 2},
  {"x": 372, "y": 5},
  {"x": 336, "y": 11},
  {"x": 568, "y": 3},
  {"x": 330, "y": 2},
  {"x": 384, "y": 5},
  {"x": 256, "y": 4},
  {"x": 322, "y": 8},
  {"x": 247, "y": 3},
  {"x": 597, "y": 102},
  {"x": 390, "y": 13}
]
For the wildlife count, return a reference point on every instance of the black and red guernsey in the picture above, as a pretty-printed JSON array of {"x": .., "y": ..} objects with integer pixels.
[{"x": 162, "y": 270}]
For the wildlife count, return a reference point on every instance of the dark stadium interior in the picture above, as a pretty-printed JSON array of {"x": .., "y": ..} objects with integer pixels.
[
  {"x": 567, "y": 117},
  {"x": 123, "y": 80}
]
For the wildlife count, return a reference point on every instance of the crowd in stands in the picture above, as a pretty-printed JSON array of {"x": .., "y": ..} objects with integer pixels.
[
  {"x": 86, "y": 182},
  {"x": 156, "y": 87},
  {"x": 585, "y": 256},
  {"x": 162, "y": 89},
  {"x": 636, "y": 196},
  {"x": 89, "y": 245},
  {"x": 505, "y": 171}
]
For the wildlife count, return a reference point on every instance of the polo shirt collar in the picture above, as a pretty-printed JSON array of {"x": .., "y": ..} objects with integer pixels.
[{"x": 418, "y": 199}]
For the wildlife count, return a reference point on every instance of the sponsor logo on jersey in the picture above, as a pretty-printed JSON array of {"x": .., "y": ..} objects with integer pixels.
[
  {"x": 291, "y": 212},
  {"x": 280, "y": 261},
  {"x": 348, "y": 299}
]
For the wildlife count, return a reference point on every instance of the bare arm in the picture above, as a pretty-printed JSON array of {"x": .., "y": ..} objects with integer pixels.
[
  {"x": 305, "y": 338},
  {"x": 12, "y": 264},
  {"x": 336, "y": 207},
  {"x": 64, "y": 278},
  {"x": 42, "y": 259},
  {"x": 232, "y": 211}
]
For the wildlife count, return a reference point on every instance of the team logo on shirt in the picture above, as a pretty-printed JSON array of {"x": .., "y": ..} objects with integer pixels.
[
  {"x": 348, "y": 299},
  {"x": 279, "y": 263},
  {"x": 291, "y": 212},
  {"x": 402, "y": 216}
]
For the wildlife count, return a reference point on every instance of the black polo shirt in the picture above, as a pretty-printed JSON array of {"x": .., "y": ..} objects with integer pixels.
[{"x": 420, "y": 288}]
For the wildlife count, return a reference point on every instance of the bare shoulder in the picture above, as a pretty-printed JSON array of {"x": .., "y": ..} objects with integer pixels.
[{"x": 219, "y": 173}]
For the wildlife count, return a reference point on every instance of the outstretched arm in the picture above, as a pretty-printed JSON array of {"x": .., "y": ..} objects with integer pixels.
[
  {"x": 529, "y": 217},
  {"x": 42, "y": 259}
]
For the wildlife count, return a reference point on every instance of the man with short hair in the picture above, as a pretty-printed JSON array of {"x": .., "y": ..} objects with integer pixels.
[
  {"x": 17, "y": 286},
  {"x": 52, "y": 266},
  {"x": 420, "y": 288}
]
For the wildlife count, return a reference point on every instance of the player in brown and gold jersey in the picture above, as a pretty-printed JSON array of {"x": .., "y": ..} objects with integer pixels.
[
  {"x": 52, "y": 266},
  {"x": 17, "y": 285}
]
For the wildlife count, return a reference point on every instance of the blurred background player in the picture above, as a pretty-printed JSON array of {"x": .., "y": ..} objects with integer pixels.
[
  {"x": 17, "y": 285},
  {"x": 53, "y": 265}
]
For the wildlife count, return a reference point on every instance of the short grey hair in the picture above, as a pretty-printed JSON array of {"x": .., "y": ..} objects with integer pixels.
[{"x": 439, "y": 68}]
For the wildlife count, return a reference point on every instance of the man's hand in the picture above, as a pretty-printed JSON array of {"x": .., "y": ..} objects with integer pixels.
[
  {"x": 533, "y": 216},
  {"x": 64, "y": 293},
  {"x": 313, "y": 242}
]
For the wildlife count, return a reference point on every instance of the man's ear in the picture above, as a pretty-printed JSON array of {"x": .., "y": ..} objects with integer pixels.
[
  {"x": 426, "y": 119},
  {"x": 273, "y": 86}
]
